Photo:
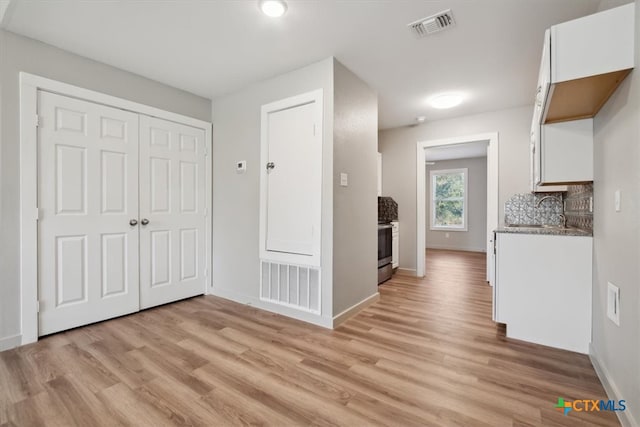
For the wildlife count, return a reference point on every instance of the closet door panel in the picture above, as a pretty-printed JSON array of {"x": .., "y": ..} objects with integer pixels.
[
  {"x": 172, "y": 211},
  {"x": 87, "y": 196}
]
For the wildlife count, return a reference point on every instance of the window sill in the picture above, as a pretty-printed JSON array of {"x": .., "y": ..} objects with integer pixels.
[{"x": 448, "y": 229}]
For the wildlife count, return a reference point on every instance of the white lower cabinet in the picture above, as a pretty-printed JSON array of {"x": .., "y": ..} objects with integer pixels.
[
  {"x": 395, "y": 244},
  {"x": 543, "y": 289}
]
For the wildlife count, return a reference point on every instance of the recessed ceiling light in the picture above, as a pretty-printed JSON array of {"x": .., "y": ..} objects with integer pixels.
[
  {"x": 273, "y": 8},
  {"x": 445, "y": 100},
  {"x": 421, "y": 119}
]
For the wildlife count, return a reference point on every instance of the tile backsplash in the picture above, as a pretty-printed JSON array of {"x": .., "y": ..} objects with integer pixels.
[
  {"x": 578, "y": 204},
  {"x": 521, "y": 209},
  {"x": 387, "y": 209}
]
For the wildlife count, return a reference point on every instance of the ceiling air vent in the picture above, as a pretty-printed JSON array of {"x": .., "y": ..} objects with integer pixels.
[{"x": 433, "y": 24}]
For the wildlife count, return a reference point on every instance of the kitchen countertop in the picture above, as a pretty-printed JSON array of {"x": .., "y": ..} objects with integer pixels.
[{"x": 550, "y": 231}]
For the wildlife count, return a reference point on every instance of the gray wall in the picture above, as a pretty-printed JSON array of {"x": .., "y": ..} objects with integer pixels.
[
  {"x": 475, "y": 238},
  {"x": 355, "y": 208},
  {"x": 236, "y": 198},
  {"x": 22, "y": 54},
  {"x": 617, "y": 235},
  {"x": 398, "y": 148}
]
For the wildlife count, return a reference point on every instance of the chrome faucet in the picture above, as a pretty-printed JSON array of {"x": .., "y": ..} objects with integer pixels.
[
  {"x": 563, "y": 218},
  {"x": 548, "y": 197}
]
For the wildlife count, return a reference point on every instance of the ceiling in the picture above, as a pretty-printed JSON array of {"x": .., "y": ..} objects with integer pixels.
[
  {"x": 214, "y": 47},
  {"x": 459, "y": 151}
]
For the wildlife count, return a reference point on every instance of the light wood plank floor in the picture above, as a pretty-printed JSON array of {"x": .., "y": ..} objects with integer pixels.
[{"x": 426, "y": 354}]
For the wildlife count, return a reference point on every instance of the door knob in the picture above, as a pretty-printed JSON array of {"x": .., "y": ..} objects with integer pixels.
[
  {"x": 133, "y": 222},
  {"x": 271, "y": 165},
  {"x": 144, "y": 221}
]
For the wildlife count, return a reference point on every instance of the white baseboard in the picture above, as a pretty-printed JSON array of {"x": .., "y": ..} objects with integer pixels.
[
  {"x": 613, "y": 392},
  {"x": 10, "y": 342},
  {"x": 407, "y": 271},
  {"x": 457, "y": 248},
  {"x": 354, "y": 309},
  {"x": 274, "y": 308}
]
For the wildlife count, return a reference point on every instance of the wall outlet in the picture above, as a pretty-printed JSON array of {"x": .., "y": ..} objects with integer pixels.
[
  {"x": 613, "y": 303},
  {"x": 241, "y": 166}
]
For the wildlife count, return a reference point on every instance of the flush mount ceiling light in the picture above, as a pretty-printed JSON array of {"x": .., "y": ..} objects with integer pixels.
[
  {"x": 446, "y": 100},
  {"x": 273, "y": 8},
  {"x": 421, "y": 119}
]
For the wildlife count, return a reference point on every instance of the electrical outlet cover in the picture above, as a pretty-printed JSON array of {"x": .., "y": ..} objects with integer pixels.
[
  {"x": 613, "y": 303},
  {"x": 241, "y": 166}
]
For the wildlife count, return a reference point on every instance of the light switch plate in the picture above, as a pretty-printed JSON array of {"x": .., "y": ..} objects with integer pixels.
[
  {"x": 344, "y": 179},
  {"x": 616, "y": 200},
  {"x": 613, "y": 303}
]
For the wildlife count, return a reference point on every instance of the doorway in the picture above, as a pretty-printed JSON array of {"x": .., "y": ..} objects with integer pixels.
[
  {"x": 460, "y": 145},
  {"x": 456, "y": 198}
]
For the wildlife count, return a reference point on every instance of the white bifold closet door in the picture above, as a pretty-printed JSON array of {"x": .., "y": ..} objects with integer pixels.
[
  {"x": 88, "y": 194},
  {"x": 121, "y": 212},
  {"x": 172, "y": 200}
]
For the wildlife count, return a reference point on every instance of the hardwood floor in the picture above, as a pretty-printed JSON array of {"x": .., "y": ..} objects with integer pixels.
[{"x": 426, "y": 354}]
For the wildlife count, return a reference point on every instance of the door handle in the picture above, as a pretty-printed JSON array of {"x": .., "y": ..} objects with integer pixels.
[
  {"x": 133, "y": 222},
  {"x": 144, "y": 221},
  {"x": 271, "y": 166}
]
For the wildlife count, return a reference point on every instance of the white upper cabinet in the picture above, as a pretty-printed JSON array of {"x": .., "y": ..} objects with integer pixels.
[
  {"x": 544, "y": 77},
  {"x": 583, "y": 63},
  {"x": 593, "y": 45},
  {"x": 566, "y": 152},
  {"x": 561, "y": 153},
  {"x": 536, "y": 157}
]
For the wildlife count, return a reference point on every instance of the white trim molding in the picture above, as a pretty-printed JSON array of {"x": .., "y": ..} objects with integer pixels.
[
  {"x": 406, "y": 271},
  {"x": 355, "y": 309},
  {"x": 626, "y": 418},
  {"x": 29, "y": 86},
  {"x": 294, "y": 313},
  {"x": 457, "y": 248},
  {"x": 12, "y": 341},
  {"x": 492, "y": 192}
]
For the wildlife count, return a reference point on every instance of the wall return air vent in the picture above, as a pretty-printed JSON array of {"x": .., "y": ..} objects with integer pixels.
[{"x": 432, "y": 24}]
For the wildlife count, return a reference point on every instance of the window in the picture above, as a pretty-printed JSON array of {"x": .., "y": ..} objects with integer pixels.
[{"x": 449, "y": 199}]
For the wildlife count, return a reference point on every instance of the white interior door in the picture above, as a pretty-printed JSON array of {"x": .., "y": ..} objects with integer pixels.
[
  {"x": 172, "y": 211},
  {"x": 293, "y": 181},
  {"x": 88, "y": 194}
]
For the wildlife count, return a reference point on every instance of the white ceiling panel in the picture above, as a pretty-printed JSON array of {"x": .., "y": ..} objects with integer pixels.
[{"x": 215, "y": 47}]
